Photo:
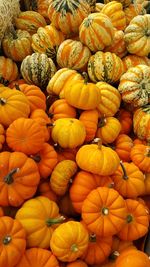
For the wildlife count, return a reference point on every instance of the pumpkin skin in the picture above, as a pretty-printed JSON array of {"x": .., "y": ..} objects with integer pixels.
[
  {"x": 114, "y": 10},
  {"x": 110, "y": 99},
  {"x": 97, "y": 158},
  {"x": 106, "y": 67},
  {"x": 77, "y": 263},
  {"x": 17, "y": 44},
  {"x": 73, "y": 54},
  {"x": 137, "y": 221},
  {"x": 61, "y": 176},
  {"x": 73, "y": 244},
  {"x": 132, "y": 11},
  {"x": 128, "y": 257},
  {"x": 29, "y": 21},
  {"x": 46, "y": 160},
  {"x": 84, "y": 183},
  {"x": 39, "y": 217},
  {"x": 2, "y": 136},
  {"x": 18, "y": 174},
  {"x": 61, "y": 109},
  {"x": 66, "y": 207},
  {"x": 82, "y": 95},
  {"x": 104, "y": 211},
  {"x": 38, "y": 257},
  {"x": 128, "y": 180},
  {"x": 13, "y": 105},
  {"x": 123, "y": 145},
  {"x": 96, "y": 31},
  {"x": 140, "y": 155},
  {"x": 138, "y": 45},
  {"x": 61, "y": 79},
  {"x": 125, "y": 118},
  {"x": 25, "y": 135},
  {"x": 125, "y": 3},
  {"x": 36, "y": 97},
  {"x": 147, "y": 184},
  {"x": 13, "y": 238},
  {"x": 15, "y": 83},
  {"x": 141, "y": 122},
  {"x": 90, "y": 120},
  {"x": 108, "y": 129},
  {"x": 37, "y": 69},
  {"x": 118, "y": 45},
  {"x": 66, "y": 153},
  {"x": 45, "y": 190},
  {"x": 67, "y": 16},
  {"x": 134, "y": 85},
  {"x": 40, "y": 6},
  {"x": 132, "y": 60},
  {"x": 74, "y": 129},
  {"x": 47, "y": 40},
  {"x": 8, "y": 70}
]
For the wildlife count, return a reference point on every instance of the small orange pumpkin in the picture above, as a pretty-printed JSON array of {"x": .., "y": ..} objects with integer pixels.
[
  {"x": 8, "y": 70},
  {"x": 125, "y": 118},
  {"x": 45, "y": 190},
  {"x": 2, "y": 136},
  {"x": 123, "y": 145},
  {"x": 61, "y": 109},
  {"x": 135, "y": 258}
]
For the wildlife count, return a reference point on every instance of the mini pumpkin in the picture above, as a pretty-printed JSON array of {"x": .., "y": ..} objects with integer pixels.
[
  {"x": 8, "y": 70},
  {"x": 133, "y": 10},
  {"x": 140, "y": 155},
  {"x": 45, "y": 190},
  {"x": 118, "y": 45},
  {"x": 132, "y": 60},
  {"x": 129, "y": 256},
  {"x": 77, "y": 263},
  {"x": 141, "y": 122},
  {"x": 2, "y": 136},
  {"x": 66, "y": 207},
  {"x": 125, "y": 3},
  {"x": 61, "y": 109},
  {"x": 123, "y": 146},
  {"x": 125, "y": 118}
]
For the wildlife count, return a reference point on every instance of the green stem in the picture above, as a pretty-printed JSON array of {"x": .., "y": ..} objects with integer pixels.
[
  {"x": 85, "y": 76},
  {"x": 74, "y": 248},
  {"x": 52, "y": 221},
  {"x": 8, "y": 179},
  {"x": 125, "y": 176},
  {"x": 129, "y": 218},
  {"x": 7, "y": 239}
]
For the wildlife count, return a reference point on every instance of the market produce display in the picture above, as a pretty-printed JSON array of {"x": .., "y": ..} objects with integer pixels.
[{"x": 74, "y": 133}]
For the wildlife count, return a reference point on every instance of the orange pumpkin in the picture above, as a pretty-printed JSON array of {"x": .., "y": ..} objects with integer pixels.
[
  {"x": 2, "y": 136},
  {"x": 135, "y": 258},
  {"x": 38, "y": 257},
  {"x": 8, "y": 70},
  {"x": 66, "y": 207},
  {"x": 136, "y": 221},
  {"x": 13, "y": 239},
  {"x": 61, "y": 109},
  {"x": 65, "y": 153},
  {"x": 132, "y": 60},
  {"x": 45, "y": 190},
  {"x": 123, "y": 145},
  {"x": 147, "y": 184},
  {"x": 132, "y": 11},
  {"x": 19, "y": 178},
  {"x": 13, "y": 84},
  {"x": 118, "y": 45},
  {"x": 125, "y": 118},
  {"x": 77, "y": 263},
  {"x": 140, "y": 155},
  {"x": 128, "y": 180},
  {"x": 141, "y": 123}
]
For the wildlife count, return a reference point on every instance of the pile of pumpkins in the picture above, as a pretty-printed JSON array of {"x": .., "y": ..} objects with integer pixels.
[{"x": 75, "y": 135}]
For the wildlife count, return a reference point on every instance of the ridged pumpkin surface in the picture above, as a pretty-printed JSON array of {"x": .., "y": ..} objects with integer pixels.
[{"x": 141, "y": 123}]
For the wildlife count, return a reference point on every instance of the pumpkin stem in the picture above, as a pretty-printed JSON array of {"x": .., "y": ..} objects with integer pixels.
[
  {"x": 51, "y": 221},
  {"x": 105, "y": 211},
  {"x": 8, "y": 179},
  {"x": 3, "y": 101},
  {"x": 102, "y": 122},
  {"x": 50, "y": 124},
  {"x": 113, "y": 256},
  {"x": 3, "y": 81},
  {"x": 50, "y": 115},
  {"x": 147, "y": 154},
  {"x": 97, "y": 141},
  {"x": 129, "y": 218},
  {"x": 125, "y": 176},
  {"x": 111, "y": 185},
  {"x": 85, "y": 76},
  {"x": 36, "y": 158},
  {"x": 17, "y": 87},
  {"x": 13, "y": 32},
  {"x": 7, "y": 239},
  {"x": 74, "y": 248},
  {"x": 92, "y": 238}
]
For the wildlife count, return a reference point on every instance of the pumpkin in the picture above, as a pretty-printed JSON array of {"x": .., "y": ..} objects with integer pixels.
[
  {"x": 19, "y": 178},
  {"x": 104, "y": 211},
  {"x": 47, "y": 40},
  {"x": 61, "y": 79},
  {"x": 97, "y": 159},
  {"x": 132, "y": 11},
  {"x": 114, "y": 10},
  {"x": 84, "y": 183},
  {"x": 36, "y": 97},
  {"x": 61, "y": 176},
  {"x": 38, "y": 257},
  {"x": 125, "y": 118},
  {"x": 15, "y": 83},
  {"x": 132, "y": 60},
  {"x": 39, "y": 217},
  {"x": 125, "y": 3},
  {"x": 139, "y": 141},
  {"x": 17, "y": 44},
  {"x": 77, "y": 263},
  {"x": 110, "y": 99},
  {"x": 25, "y": 135},
  {"x": 134, "y": 85},
  {"x": 140, "y": 155},
  {"x": 108, "y": 129},
  {"x": 82, "y": 94},
  {"x": 29, "y": 21},
  {"x": 74, "y": 130},
  {"x": 2, "y": 136},
  {"x": 123, "y": 145},
  {"x": 8, "y": 70},
  {"x": 69, "y": 246},
  {"x": 46, "y": 160},
  {"x": 106, "y": 67},
  {"x": 37, "y": 69},
  {"x": 13, "y": 239},
  {"x": 147, "y": 184},
  {"x": 66, "y": 207},
  {"x": 118, "y": 45},
  {"x": 119, "y": 245},
  {"x": 13, "y": 105},
  {"x": 73, "y": 54},
  {"x": 41, "y": 117},
  {"x": 92, "y": 4},
  {"x": 67, "y": 16},
  {"x": 98, "y": 249},
  {"x": 129, "y": 256},
  {"x": 40, "y": 6},
  {"x": 137, "y": 221},
  {"x": 65, "y": 153},
  {"x": 45, "y": 190},
  {"x": 137, "y": 35},
  {"x": 141, "y": 122},
  {"x": 99, "y": 7},
  {"x": 128, "y": 180},
  {"x": 61, "y": 109},
  {"x": 90, "y": 120},
  {"x": 96, "y": 31}
]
